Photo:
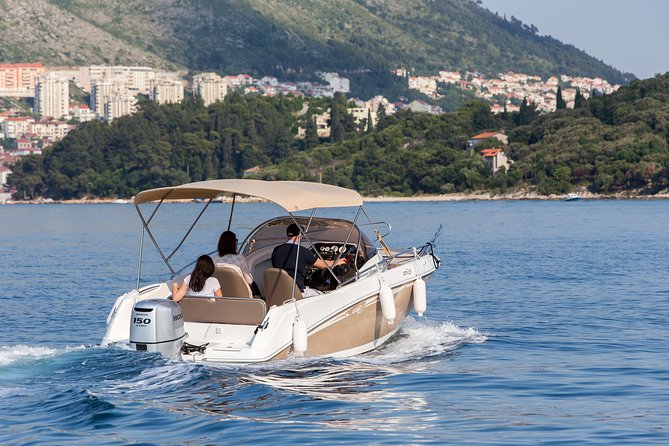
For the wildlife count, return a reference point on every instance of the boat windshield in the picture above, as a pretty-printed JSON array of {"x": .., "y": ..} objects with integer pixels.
[{"x": 321, "y": 230}]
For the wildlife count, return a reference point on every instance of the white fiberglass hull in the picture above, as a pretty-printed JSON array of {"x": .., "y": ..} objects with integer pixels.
[{"x": 340, "y": 323}]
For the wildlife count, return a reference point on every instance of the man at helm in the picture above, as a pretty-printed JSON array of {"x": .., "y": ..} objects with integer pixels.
[{"x": 284, "y": 255}]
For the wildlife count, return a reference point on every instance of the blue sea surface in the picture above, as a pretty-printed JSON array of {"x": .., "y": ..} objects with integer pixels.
[{"x": 546, "y": 324}]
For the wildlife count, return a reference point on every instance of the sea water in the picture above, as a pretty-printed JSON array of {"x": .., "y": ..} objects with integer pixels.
[{"x": 546, "y": 324}]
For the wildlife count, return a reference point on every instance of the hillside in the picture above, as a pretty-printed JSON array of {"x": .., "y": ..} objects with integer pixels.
[
  {"x": 285, "y": 37},
  {"x": 613, "y": 144}
]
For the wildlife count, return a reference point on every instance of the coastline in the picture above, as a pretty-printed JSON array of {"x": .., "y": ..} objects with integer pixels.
[{"x": 473, "y": 196}]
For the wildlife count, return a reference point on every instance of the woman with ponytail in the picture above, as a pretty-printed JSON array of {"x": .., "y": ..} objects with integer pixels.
[{"x": 199, "y": 282}]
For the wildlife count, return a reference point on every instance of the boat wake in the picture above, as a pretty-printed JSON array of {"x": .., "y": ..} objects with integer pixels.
[
  {"x": 422, "y": 340},
  {"x": 15, "y": 354},
  {"x": 360, "y": 378}
]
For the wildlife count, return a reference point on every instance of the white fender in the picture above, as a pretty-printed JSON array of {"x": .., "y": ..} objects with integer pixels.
[
  {"x": 387, "y": 302},
  {"x": 419, "y": 296},
  {"x": 299, "y": 336}
]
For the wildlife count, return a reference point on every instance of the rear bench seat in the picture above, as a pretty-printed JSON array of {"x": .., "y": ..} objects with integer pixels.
[{"x": 223, "y": 310}]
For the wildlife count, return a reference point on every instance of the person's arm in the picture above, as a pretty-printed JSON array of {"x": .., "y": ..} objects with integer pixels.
[
  {"x": 217, "y": 291},
  {"x": 180, "y": 292},
  {"x": 331, "y": 263}
]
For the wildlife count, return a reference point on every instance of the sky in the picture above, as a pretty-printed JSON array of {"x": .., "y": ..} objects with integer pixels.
[{"x": 630, "y": 35}]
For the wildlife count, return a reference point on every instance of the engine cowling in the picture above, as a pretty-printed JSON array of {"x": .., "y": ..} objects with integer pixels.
[{"x": 157, "y": 325}]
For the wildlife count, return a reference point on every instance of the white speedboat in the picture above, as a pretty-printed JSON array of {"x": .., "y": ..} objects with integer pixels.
[
  {"x": 572, "y": 196},
  {"x": 357, "y": 307}
]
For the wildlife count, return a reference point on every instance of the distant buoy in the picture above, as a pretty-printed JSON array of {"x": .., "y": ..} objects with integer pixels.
[
  {"x": 419, "y": 296},
  {"x": 387, "y": 303},
  {"x": 300, "y": 336}
]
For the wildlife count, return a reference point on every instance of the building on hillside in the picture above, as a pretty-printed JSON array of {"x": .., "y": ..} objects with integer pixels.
[
  {"x": 210, "y": 87},
  {"x": 477, "y": 139},
  {"x": 134, "y": 80},
  {"x": 82, "y": 113},
  {"x": 252, "y": 171},
  {"x": 52, "y": 96},
  {"x": 423, "y": 107},
  {"x": 165, "y": 91},
  {"x": 18, "y": 80},
  {"x": 238, "y": 81},
  {"x": 15, "y": 127},
  {"x": 363, "y": 114},
  {"x": 323, "y": 124},
  {"x": 337, "y": 83},
  {"x": 101, "y": 91},
  {"x": 4, "y": 173},
  {"x": 496, "y": 159},
  {"x": 119, "y": 105},
  {"x": 24, "y": 144},
  {"x": 51, "y": 130}
]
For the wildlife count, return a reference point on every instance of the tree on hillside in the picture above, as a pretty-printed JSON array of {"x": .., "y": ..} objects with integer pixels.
[
  {"x": 340, "y": 121},
  {"x": 311, "y": 132},
  {"x": 528, "y": 112},
  {"x": 380, "y": 117},
  {"x": 560, "y": 103},
  {"x": 579, "y": 100}
]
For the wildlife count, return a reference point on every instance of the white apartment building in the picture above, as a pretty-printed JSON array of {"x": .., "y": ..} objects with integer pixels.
[
  {"x": 119, "y": 105},
  {"x": 52, "y": 95},
  {"x": 101, "y": 92},
  {"x": 54, "y": 130},
  {"x": 134, "y": 79},
  {"x": 82, "y": 113},
  {"x": 15, "y": 127},
  {"x": 210, "y": 87},
  {"x": 166, "y": 91}
]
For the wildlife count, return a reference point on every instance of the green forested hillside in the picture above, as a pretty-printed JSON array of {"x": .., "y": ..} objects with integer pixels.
[
  {"x": 614, "y": 143},
  {"x": 288, "y": 38}
]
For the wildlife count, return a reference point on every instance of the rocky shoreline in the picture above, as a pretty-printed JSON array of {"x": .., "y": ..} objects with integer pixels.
[{"x": 473, "y": 196}]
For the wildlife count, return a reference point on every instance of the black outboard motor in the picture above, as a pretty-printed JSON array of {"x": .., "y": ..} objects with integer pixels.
[{"x": 157, "y": 325}]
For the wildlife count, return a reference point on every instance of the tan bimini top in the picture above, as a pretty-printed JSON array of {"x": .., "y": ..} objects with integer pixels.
[{"x": 290, "y": 195}]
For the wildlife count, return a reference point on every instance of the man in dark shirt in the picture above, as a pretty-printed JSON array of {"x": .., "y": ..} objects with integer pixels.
[{"x": 283, "y": 257}]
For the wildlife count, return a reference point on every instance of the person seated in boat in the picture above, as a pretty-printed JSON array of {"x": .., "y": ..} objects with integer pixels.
[
  {"x": 227, "y": 254},
  {"x": 200, "y": 282},
  {"x": 283, "y": 256}
]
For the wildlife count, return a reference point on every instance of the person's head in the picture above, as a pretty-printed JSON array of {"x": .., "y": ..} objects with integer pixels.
[
  {"x": 292, "y": 230},
  {"x": 227, "y": 243},
  {"x": 204, "y": 268}
]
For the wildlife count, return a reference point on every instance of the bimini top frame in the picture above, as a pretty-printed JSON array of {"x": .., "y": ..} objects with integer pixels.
[{"x": 290, "y": 195}]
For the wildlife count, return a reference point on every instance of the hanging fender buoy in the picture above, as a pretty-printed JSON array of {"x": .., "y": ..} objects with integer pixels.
[
  {"x": 419, "y": 296},
  {"x": 387, "y": 302},
  {"x": 300, "y": 336}
]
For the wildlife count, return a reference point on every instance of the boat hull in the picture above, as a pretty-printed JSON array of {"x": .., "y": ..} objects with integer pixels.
[
  {"x": 356, "y": 329},
  {"x": 344, "y": 322}
]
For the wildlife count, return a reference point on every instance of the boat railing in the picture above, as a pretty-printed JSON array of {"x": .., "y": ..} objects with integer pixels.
[{"x": 374, "y": 224}]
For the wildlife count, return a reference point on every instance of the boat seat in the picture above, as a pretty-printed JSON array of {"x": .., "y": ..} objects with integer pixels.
[
  {"x": 223, "y": 310},
  {"x": 232, "y": 281},
  {"x": 259, "y": 274},
  {"x": 278, "y": 286}
]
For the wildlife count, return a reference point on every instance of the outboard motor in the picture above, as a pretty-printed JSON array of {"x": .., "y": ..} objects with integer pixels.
[{"x": 157, "y": 325}]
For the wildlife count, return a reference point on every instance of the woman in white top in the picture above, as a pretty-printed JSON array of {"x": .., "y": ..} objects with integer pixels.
[
  {"x": 227, "y": 253},
  {"x": 199, "y": 282}
]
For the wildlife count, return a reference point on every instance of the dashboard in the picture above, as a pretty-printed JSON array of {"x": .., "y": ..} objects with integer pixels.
[{"x": 322, "y": 279}]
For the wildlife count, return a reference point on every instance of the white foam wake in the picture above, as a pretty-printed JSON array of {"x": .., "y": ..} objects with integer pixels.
[
  {"x": 422, "y": 339},
  {"x": 10, "y": 354}
]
